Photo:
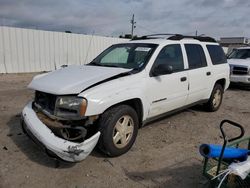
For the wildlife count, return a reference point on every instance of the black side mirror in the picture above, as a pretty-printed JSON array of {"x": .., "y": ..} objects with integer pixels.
[{"x": 162, "y": 69}]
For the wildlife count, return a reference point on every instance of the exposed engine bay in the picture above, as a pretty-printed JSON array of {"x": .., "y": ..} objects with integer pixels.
[
  {"x": 77, "y": 130},
  {"x": 72, "y": 129},
  {"x": 65, "y": 129}
]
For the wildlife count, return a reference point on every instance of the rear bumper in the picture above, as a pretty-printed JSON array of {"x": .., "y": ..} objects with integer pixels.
[
  {"x": 64, "y": 149},
  {"x": 244, "y": 79}
]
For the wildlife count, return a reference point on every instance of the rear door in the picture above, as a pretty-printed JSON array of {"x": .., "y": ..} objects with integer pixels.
[
  {"x": 219, "y": 64},
  {"x": 199, "y": 73},
  {"x": 168, "y": 92}
]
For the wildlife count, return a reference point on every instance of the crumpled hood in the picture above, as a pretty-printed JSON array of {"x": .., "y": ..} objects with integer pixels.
[
  {"x": 241, "y": 62},
  {"x": 73, "y": 79}
]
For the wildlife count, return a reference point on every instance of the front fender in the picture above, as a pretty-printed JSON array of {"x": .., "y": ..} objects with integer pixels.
[{"x": 98, "y": 103}]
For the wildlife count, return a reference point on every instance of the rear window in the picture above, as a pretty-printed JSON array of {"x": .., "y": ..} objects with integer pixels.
[
  {"x": 217, "y": 54},
  {"x": 196, "y": 56}
]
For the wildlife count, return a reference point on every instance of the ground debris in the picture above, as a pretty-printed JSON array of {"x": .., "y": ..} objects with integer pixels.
[
  {"x": 18, "y": 115},
  {"x": 137, "y": 177},
  {"x": 245, "y": 112},
  {"x": 10, "y": 134},
  {"x": 5, "y": 148},
  {"x": 107, "y": 160},
  {"x": 191, "y": 111}
]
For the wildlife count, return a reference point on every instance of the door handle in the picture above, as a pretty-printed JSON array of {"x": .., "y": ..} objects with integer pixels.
[
  {"x": 183, "y": 79},
  {"x": 208, "y": 73}
]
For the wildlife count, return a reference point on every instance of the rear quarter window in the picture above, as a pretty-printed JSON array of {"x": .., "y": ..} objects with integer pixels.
[{"x": 217, "y": 54}]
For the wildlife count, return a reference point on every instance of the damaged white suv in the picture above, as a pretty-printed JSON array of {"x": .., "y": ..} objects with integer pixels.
[{"x": 126, "y": 86}]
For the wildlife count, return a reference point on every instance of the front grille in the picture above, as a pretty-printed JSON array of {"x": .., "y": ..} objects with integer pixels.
[
  {"x": 46, "y": 101},
  {"x": 240, "y": 70}
]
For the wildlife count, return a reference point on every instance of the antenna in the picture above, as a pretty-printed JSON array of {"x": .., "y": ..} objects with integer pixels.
[{"x": 132, "y": 26}]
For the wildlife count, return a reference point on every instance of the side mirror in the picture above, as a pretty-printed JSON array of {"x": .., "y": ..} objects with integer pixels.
[{"x": 162, "y": 69}]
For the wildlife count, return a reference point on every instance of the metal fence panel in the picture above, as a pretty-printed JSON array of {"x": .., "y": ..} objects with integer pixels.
[
  {"x": 28, "y": 50},
  {"x": 2, "y": 61}
]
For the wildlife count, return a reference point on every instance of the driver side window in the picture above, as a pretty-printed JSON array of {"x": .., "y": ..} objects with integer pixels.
[{"x": 171, "y": 55}]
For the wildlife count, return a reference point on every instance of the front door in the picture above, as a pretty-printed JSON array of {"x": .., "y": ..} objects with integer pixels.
[{"x": 168, "y": 91}]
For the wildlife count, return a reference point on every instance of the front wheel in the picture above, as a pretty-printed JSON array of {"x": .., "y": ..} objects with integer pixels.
[
  {"x": 215, "y": 99},
  {"x": 119, "y": 127}
]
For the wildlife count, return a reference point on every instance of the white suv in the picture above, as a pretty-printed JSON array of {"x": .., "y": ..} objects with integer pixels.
[
  {"x": 239, "y": 61},
  {"x": 126, "y": 86}
]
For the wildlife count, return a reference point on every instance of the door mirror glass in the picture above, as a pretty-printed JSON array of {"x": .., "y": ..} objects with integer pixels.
[{"x": 162, "y": 69}]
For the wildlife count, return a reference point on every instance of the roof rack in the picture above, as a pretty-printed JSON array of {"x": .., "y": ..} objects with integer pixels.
[
  {"x": 176, "y": 37},
  {"x": 154, "y": 36},
  {"x": 200, "y": 38}
]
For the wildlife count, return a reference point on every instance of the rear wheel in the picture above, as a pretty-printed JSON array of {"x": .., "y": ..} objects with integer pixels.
[
  {"x": 119, "y": 127},
  {"x": 215, "y": 99}
]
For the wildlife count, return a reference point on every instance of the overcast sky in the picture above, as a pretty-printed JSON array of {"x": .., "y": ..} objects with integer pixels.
[{"x": 216, "y": 18}]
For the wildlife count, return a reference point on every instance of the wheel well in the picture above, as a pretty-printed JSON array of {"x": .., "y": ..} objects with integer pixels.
[
  {"x": 136, "y": 104},
  {"x": 222, "y": 82}
]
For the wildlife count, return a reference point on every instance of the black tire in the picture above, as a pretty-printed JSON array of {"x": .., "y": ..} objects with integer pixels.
[
  {"x": 211, "y": 106},
  {"x": 107, "y": 123}
]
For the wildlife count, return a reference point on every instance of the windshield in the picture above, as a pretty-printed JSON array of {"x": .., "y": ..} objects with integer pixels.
[
  {"x": 240, "y": 54},
  {"x": 129, "y": 55}
]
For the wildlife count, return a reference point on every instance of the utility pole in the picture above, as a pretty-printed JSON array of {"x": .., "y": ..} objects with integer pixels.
[
  {"x": 196, "y": 33},
  {"x": 132, "y": 25}
]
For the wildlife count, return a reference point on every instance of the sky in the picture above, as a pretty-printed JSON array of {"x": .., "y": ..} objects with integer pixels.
[{"x": 216, "y": 18}]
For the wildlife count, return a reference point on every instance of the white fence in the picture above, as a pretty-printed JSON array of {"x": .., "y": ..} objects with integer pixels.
[{"x": 28, "y": 50}]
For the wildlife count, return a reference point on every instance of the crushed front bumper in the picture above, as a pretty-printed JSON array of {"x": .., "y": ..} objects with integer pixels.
[{"x": 64, "y": 149}]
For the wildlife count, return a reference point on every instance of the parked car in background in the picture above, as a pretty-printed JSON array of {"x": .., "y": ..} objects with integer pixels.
[
  {"x": 239, "y": 61},
  {"x": 123, "y": 88}
]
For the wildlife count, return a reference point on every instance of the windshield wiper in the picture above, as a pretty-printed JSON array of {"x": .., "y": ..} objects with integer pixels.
[
  {"x": 108, "y": 65},
  {"x": 103, "y": 65}
]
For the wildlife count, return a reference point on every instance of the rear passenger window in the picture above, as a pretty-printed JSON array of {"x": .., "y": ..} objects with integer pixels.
[
  {"x": 217, "y": 54},
  {"x": 196, "y": 56},
  {"x": 171, "y": 55}
]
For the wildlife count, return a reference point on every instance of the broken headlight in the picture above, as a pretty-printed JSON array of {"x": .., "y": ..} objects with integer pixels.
[{"x": 70, "y": 107}]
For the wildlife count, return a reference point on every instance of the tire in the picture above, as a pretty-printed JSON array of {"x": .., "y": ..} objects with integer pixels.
[
  {"x": 215, "y": 99},
  {"x": 119, "y": 128}
]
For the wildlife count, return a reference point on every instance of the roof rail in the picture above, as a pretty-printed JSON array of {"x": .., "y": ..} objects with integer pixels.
[
  {"x": 176, "y": 37},
  {"x": 153, "y": 36},
  {"x": 200, "y": 38}
]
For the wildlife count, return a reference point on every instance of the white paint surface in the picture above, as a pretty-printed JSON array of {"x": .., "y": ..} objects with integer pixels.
[{"x": 73, "y": 79}]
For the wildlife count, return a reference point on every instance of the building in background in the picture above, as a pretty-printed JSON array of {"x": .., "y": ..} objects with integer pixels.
[{"x": 229, "y": 43}]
